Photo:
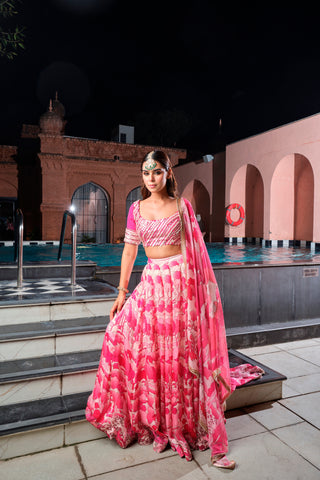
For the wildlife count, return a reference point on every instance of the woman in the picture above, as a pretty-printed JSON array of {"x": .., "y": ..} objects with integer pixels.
[{"x": 164, "y": 372}]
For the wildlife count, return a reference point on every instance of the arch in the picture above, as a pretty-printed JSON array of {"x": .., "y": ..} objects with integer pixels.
[
  {"x": 199, "y": 198},
  {"x": 303, "y": 199},
  {"x": 292, "y": 199},
  {"x": 254, "y": 203},
  {"x": 247, "y": 189},
  {"x": 7, "y": 217},
  {"x": 133, "y": 195},
  {"x": 91, "y": 205}
]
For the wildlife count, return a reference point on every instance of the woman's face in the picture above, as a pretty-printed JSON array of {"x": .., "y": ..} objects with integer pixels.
[{"x": 155, "y": 179}]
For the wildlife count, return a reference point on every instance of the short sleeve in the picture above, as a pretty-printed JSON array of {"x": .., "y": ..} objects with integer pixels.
[{"x": 131, "y": 235}]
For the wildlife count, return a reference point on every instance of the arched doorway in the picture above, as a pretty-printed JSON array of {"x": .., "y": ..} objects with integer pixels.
[
  {"x": 92, "y": 213},
  {"x": 7, "y": 217},
  {"x": 199, "y": 198},
  {"x": 8, "y": 201},
  {"x": 292, "y": 199},
  {"x": 254, "y": 203},
  {"x": 247, "y": 190},
  {"x": 303, "y": 199},
  {"x": 132, "y": 196}
]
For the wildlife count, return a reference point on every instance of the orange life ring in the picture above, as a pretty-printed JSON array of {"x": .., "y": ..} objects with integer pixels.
[{"x": 236, "y": 206}]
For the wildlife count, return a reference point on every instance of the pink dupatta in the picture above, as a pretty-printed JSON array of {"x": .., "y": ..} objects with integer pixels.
[{"x": 207, "y": 346}]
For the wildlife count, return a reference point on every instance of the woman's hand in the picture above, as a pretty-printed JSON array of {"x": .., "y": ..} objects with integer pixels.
[
  {"x": 127, "y": 260},
  {"x": 118, "y": 304}
]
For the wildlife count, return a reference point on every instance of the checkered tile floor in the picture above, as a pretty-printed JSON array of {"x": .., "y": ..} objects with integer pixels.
[{"x": 37, "y": 287}]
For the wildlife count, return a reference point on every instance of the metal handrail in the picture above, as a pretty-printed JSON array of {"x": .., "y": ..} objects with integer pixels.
[
  {"x": 18, "y": 246},
  {"x": 73, "y": 240}
]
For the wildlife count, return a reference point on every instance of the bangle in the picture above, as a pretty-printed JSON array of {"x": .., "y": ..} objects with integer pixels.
[{"x": 122, "y": 289}]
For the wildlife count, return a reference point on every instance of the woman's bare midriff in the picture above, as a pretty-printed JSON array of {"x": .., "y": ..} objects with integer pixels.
[{"x": 163, "y": 251}]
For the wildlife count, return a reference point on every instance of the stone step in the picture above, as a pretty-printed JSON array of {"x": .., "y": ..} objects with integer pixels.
[
  {"x": 41, "y": 423},
  {"x": 54, "y": 299},
  {"x": 53, "y": 337},
  {"x": 267, "y": 334},
  {"x": 20, "y": 379},
  {"x": 71, "y": 326},
  {"x": 37, "y": 378},
  {"x": 20, "y": 417},
  {"x": 265, "y": 389}
]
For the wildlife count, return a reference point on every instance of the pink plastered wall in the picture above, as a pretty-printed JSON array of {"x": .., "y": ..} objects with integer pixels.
[
  {"x": 203, "y": 184},
  {"x": 275, "y": 176}
]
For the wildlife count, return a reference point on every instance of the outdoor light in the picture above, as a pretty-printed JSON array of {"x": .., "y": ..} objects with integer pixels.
[
  {"x": 72, "y": 208},
  {"x": 207, "y": 158}
]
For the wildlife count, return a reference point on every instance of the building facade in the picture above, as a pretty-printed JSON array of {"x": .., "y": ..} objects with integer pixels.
[
  {"x": 49, "y": 171},
  {"x": 275, "y": 176}
]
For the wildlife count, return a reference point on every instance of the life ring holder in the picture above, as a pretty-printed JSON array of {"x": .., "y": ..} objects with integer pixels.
[{"x": 235, "y": 206}]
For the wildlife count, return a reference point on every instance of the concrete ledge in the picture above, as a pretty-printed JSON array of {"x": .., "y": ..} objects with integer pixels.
[
  {"x": 259, "y": 335},
  {"x": 47, "y": 269}
]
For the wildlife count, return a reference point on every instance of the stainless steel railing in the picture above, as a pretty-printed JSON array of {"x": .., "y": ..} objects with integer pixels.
[
  {"x": 18, "y": 246},
  {"x": 73, "y": 241}
]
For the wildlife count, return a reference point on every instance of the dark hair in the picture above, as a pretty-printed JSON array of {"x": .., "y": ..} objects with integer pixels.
[{"x": 164, "y": 160}]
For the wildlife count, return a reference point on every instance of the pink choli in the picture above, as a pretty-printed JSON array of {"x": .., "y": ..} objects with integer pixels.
[
  {"x": 164, "y": 370},
  {"x": 152, "y": 233}
]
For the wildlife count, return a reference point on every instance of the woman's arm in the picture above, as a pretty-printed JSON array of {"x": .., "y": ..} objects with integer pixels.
[{"x": 129, "y": 255}]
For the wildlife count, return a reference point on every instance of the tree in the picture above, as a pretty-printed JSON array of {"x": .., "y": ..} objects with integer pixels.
[{"x": 11, "y": 41}]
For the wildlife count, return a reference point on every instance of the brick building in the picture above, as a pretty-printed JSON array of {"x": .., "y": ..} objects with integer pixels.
[{"x": 48, "y": 171}]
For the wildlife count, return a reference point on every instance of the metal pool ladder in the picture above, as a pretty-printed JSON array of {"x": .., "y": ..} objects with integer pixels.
[
  {"x": 73, "y": 240},
  {"x": 18, "y": 245}
]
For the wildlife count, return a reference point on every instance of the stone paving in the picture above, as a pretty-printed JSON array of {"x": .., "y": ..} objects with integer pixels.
[{"x": 274, "y": 440}]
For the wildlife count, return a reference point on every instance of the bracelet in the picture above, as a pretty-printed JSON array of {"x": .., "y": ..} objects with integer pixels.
[{"x": 122, "y": 289}]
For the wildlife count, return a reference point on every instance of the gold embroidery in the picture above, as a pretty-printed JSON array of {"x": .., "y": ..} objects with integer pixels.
[
  {"x": 203, "y": 425},
  {"x": 195, "y": 372},
  {"x": 219, "y": 379}
]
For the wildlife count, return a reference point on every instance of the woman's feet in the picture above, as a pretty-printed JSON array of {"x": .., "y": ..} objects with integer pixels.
[
  {"x": 160, "y": 442},
  {"x": 221, "y": 461}
]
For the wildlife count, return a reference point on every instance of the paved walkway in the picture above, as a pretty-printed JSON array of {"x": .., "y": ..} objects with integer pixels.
[{"x": 273, "y": 440}]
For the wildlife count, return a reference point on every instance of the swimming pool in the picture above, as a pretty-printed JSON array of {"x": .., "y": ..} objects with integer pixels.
[{"x": 108, "y": 255}]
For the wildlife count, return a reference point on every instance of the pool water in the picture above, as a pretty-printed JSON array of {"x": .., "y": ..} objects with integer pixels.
[{"x": 110, "y": 254}]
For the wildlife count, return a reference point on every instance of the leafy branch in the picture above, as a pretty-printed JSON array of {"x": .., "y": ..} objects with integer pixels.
[{"x": 10, "y": 40}]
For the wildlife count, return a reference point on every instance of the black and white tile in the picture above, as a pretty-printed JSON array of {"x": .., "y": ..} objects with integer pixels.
[{"x": 46, "y": 287}]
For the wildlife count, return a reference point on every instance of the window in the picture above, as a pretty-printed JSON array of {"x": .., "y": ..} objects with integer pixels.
[
  {"x": 7, "y": 214},
  {"x": 134, "y": 195},
  {"x": 91, "y": 211}
]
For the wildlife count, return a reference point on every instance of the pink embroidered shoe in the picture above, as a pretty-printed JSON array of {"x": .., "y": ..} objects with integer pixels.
[
  {"x": 158, "y": 447},
  {"x": 160, "y": 442},
  {"x": 221, "y": 461}
]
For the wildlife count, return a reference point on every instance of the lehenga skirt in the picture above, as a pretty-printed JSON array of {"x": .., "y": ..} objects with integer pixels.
[{"x": 144, "y": 389}]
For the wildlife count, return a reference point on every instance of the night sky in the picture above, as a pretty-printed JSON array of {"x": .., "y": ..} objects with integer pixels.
[{"x": 122, "y": 61}]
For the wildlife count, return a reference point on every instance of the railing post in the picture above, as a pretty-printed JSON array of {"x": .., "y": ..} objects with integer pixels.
[
  {"x": 74, "y": 249},
  {"x": 18, "y": 247},
  {"x": 63, "y": 228},
  {"x": 73, "y": 240}
]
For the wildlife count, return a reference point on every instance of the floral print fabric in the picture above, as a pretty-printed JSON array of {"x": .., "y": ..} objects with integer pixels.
[{"x": 164, "y": 373}]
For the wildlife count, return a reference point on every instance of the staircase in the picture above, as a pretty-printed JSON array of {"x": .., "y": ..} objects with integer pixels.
[{"x": 50, "y": 342}]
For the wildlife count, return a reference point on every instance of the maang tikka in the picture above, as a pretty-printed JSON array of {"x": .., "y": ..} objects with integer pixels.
[{"x": 150, "y": 164}]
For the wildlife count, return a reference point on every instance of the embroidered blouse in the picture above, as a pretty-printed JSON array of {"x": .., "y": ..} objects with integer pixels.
[{"x": 152, "y": 233}]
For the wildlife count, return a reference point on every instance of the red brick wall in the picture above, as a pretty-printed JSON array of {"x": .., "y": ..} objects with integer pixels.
[
  {"x": 45, "y": 181},
  {"x": 68, "y": 162},
  {"x": 8, "y": 172}
]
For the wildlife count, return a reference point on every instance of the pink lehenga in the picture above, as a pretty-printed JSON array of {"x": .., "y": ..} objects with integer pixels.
[{"x": 164, "y": 371}]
